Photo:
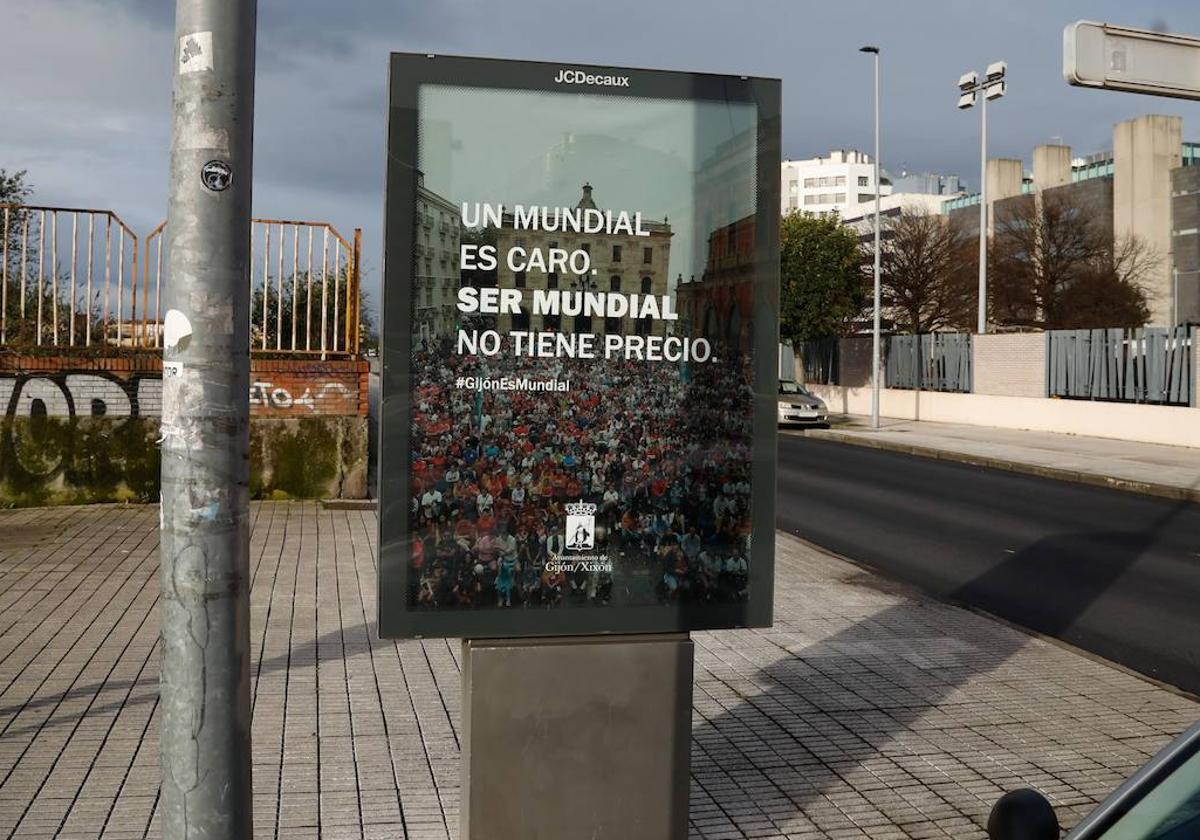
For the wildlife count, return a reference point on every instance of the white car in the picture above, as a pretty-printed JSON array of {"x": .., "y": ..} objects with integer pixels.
[{"x": 797, "y": 405}]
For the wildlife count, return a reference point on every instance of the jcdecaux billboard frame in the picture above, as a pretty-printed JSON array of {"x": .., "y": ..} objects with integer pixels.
[{"x": 579, "y": 350}]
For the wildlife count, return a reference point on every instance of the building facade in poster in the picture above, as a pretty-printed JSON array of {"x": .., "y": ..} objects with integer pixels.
[
  {"x": 586, "y": 443},
  {"x": 435, "y": 264}
]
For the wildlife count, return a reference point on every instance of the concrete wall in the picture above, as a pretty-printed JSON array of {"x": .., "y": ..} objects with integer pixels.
[
  {"x": 1170, "y": 425},
  {"x": 1004, "y": 179},
  {"x": 1093, "y": 197},
  {"x": 1145, "y": 150},
  {"x": 85, "y": 429},
  {"x": 1009, "y": 365},
  {"x": 1051, "y": 166}
]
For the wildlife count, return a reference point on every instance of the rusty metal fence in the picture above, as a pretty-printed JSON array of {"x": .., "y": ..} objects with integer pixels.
[
  {"x": 66, "y": 275},
  {"x": 75, "y": 283}
]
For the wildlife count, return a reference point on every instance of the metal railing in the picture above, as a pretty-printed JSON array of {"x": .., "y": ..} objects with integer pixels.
[
  {"x": 65, "y": 275},
  {"x": 931, "y": 362},
  {"x": 304, "y": 283},
  {"x": 304, "y": 287},
  {"x": 1150, "y": 365}
]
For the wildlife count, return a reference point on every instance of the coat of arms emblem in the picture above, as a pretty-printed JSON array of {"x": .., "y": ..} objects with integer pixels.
[{"x": 581, "y": 526}]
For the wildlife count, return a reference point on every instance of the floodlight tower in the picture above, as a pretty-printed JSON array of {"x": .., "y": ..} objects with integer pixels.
[{"x": 992, "y": 86}]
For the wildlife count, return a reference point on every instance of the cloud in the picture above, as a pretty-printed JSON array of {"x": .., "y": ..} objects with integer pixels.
[{"x": 87, "y": 83}]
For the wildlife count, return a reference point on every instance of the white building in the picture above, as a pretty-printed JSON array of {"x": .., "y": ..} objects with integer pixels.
[
  {"x": 829, "y": 184},
  {"x": 861, "y": 216}
]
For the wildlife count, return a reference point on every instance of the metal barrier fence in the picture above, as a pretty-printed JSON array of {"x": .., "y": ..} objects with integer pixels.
[
  {"x": 932, "y": 362},
  {"x": 66, "y": 276},
  {"x": 304, "y": 281},
  {"x": 821, "y": 360},
  {"x": 304, "y": 286},
  {"x": 1151, "y": 365}
]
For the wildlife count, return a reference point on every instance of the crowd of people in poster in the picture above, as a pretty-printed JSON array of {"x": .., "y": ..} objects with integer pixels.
[{"x": 659, "y": 451}]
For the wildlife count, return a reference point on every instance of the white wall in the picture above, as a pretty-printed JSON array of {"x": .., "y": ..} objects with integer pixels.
[
  {"x": 1171, "y": 425},
  {"x": 1009, "y": 365}
]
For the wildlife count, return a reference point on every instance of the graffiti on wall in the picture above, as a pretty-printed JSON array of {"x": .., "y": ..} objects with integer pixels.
[
  {"x": 270, "y": 395},
  {"x": 92, "y": 436},
  {"x": 80, "y": 395},
  {"x": 52, "y": 448},
  {"x": 95, "y": 394}
]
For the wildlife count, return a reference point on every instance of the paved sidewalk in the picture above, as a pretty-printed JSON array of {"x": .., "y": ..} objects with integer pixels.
[
  {"x": 1154, "y": 469},
  {"x": 866, "y": 712}
]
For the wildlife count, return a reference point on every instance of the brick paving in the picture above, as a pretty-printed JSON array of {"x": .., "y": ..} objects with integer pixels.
[{"x": 867, "y": 711}]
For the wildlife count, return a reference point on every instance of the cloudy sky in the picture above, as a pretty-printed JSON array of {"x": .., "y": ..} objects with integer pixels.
[{"x": 85, "y": 102}]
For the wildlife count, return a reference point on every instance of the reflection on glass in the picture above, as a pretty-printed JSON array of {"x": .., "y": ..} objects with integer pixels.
[{"x": 545, "y": 475}]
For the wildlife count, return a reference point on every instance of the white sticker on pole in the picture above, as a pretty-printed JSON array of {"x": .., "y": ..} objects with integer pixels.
[
  {"x": 195, "y": 52},
  {"x": 176, "y": 329}
]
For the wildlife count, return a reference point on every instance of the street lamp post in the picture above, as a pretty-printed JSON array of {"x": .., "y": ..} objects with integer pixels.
[
  {"x": 992, "y": 86},
  {"x": 204, "y": 524},
  {"x": 875, "y": 354}
]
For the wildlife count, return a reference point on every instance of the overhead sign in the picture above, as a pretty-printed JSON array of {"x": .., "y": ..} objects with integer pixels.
[
  {"x": 1103, "y": 55},
  {"x": 580, "y": 322}
]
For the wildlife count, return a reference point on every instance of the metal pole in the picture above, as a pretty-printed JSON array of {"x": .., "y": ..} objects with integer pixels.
[
  {"x": 205, "y": 638},
  {"x": 983, "y": 218},
  {"x": 1174, "y": 297},
  {"x": 875, "y": 341}
]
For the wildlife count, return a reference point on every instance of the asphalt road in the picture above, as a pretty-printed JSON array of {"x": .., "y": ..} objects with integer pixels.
[{"x": 1114, "y": 573}]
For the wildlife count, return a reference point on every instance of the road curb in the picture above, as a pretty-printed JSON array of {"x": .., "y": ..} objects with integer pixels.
[{"x": 1145, "y": 488}]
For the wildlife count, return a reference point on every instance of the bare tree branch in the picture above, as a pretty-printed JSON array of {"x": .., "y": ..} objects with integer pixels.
[
  {"x": 927, "y": 269},
  {"x": 1055, "y": 265}
]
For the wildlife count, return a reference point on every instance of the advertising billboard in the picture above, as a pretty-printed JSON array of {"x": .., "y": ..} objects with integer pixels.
[{"x": 579, "y": 350}]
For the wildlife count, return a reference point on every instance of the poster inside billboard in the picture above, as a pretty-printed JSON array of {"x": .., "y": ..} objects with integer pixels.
[{"x": 579, "y": 350}]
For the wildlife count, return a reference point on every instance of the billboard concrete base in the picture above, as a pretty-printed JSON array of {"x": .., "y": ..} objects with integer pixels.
[{"x": 577, "y": 737}]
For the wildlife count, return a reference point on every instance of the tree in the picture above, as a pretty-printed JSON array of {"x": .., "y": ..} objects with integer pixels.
[
  {"x": 15, "y": 190},
  {"x": 305, "y": 306},
  {"x": 368, "y": 335},
  {"x": 927, "y": 278},
  {"x": 821, "y": 279},
  {"x": 1057, "y": 265}
]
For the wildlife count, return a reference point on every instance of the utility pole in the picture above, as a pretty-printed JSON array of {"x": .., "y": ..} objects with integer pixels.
[
  {"x": 981, "y": 321},
  {"x": 205, "y": 637},
  {"x": 876, "y": 355}
]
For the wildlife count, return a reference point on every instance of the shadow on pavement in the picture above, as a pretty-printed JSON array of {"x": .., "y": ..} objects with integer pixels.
[
  {"x": 885, "y": 724},
  {"x": 881, "y": 723}
]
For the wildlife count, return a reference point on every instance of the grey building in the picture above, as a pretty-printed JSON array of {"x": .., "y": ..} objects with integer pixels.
[
  {"x": 927, "y": 183},
  {"x": 1147, "y": 187}
]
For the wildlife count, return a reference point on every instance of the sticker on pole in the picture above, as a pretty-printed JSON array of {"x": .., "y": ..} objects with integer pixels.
[
  {"x": 216, "y": 175},
  {"x": 195, "y": 52}
]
